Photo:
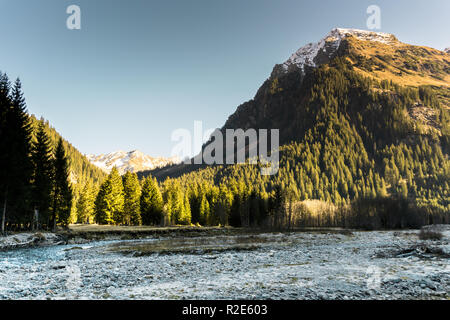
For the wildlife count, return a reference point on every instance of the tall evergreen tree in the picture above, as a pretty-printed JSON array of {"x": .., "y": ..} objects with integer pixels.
[
  {"x": 86, "y": 204},
  {"x": 204, "y": 210},
  {"x": 43, "y": 175},
  {"x": 62, "y": 191},
  {"x": 176, "y": 200},
  {"x": 15, "y": 144},
  {"x": 186, "y": 215},
  {"x": 109, "y": 202},
  {"x": 5, "y": 105},
  {"x": 151, "y": 202},
  {"x": 132, "y": 193}
]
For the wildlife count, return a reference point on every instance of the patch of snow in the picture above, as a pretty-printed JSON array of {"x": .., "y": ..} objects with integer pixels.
[
  {"x": 132, "y": 161},
  {"x": 306, "y": 55}
]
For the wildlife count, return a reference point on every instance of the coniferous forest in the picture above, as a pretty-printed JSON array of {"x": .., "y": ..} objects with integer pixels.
[
  {"x": 353, "y": 159},
  {"x": 41, "y": 172},
  {"x": 357, "y": 166}
]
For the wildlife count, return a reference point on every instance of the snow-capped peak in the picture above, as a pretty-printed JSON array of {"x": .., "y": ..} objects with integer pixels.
[
  {"x": 132, "y": 161},
  {"x": 307, "y": 55},
  {"x": 447, "y": 50}
]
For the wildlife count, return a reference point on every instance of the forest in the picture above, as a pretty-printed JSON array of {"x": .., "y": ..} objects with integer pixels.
[
  {"x": 355, "y": 159},
  {"x": 34, "y": 181}
]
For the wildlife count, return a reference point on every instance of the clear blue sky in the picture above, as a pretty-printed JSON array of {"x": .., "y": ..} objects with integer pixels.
[{"x": 139, "y": 69}]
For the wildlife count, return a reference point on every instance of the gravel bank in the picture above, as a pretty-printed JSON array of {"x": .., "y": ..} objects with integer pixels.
[{"x": 302, "y": 265}]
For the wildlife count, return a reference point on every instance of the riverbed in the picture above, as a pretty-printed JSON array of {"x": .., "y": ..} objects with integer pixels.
[{"x": 296, "y": 265}]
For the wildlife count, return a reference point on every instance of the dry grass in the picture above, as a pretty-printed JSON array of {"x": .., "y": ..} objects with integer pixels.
[
  {"x": 430, "y": 234},
  {"x": 430, "y": 64},
  {"x": 100, "y": 232},
  {"x": 107, "y": 228},
  {"x": 200, "y": 245}
]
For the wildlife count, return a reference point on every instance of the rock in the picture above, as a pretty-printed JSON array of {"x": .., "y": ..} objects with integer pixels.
[
  {"x": 73, "y": 248},
  {"x": 58, "y": 267},
  {"x": 322, "y": 296}
]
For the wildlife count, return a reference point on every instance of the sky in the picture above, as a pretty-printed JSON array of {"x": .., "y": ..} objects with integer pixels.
[{"x": 139, "y": 69}]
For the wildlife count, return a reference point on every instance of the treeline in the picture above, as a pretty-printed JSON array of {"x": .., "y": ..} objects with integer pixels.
[
  {"x": 350, "y": 157},
  {"x": 195, "y": 199},
  {"x": 34, "y": 180},
  {"x": 81, "y": 171},
  {"x": 349, "y": 143}
]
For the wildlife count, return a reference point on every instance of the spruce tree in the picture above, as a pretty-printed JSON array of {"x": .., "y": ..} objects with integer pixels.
[
  {"x": 132, "y": 193},
  {"x": 5, "y": 105},
  {"x": 43, "y": 175},
  {"x": 177, "y": 207},
  {"x": 62, "y": 192},
  {"x": 86, "y": 204},
  {"x": 15, "y": 145},
  {"x": 110, "y": 200},
  {"x": 103, "y": 211},
  {"x": 185, "y": 219},
  {"x": 151, "y": 202},
  {"x": 204, "y": 210}
]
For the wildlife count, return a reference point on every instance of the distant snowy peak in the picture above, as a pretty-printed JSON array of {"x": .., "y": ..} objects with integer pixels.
[
  {"x": 313, "y": 54},
  {"x": 132, "y": 161},
  {"x": 447, "y": 50}
]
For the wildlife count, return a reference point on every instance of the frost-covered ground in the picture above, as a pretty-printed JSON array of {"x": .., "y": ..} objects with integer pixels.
[
  {"x": 302, "y": 265},
  {"x": 28, "y": 239}
]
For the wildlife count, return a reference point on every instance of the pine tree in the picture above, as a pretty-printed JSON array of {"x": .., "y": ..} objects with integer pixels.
[
  {"x": 62, "y": 193},
  {"x": 110, "y": 200},
  {"x": 132, "y": 193},
  {"x": 151, "y": 203},
  {"x": 43, "y": 175},
  {"x": 103, "y": 210},
  {"x": 175, "y": 201},
  {"x": 5, "y": 106},
  {"x": 15, "y": 145},
  {"x": 291, "y": 195},
  {"x": 204, "y": 210},
  {"x": 85, "y": 204},
  {"x": 186, "y": 217}
]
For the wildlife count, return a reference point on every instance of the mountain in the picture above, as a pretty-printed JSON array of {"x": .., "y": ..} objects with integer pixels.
[
  {"x": 81, "y": 170},
  {"x": 315, "y": 54},
  {"x": 375, "y": 55},
  {"x": 447, "y": 50},
  {"x": 361, "y": 115},
  {"x": 133, "y": 161}
]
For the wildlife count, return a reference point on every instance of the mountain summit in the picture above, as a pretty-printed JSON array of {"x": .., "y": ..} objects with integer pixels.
[
  {"x": 361, "y": 115},
  {"x": 132, "y": 161},
  {"x": 388, "y": 57},
  {"x": 314, "y": 54},
  {"x": 284, "y": 99}
]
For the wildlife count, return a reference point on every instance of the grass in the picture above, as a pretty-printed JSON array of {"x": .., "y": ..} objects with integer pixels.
[
  {"x": 111, "y": 228},
  {"x": 392, "y": 62},
  {"x": 100, "y": 232},
  {"x": 191, "y": 246},
  {"x": 430, "y": 234}
]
